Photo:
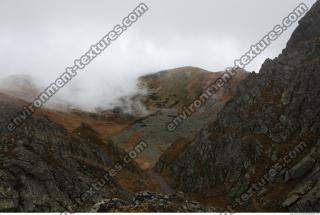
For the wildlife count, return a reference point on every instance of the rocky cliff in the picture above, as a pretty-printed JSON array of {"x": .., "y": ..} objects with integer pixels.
[
  {"x": 43, "y": 167},
  {"x": 271, "y": 114}
]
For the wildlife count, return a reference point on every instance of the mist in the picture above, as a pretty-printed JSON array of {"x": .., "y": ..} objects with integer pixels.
[{"x": 40, "y": 38}]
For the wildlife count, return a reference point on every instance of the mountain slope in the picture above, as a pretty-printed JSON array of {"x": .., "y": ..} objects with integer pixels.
[
  {"x": 271, "y": 114},
  {"x": 43, "y": 167},
  {"x": 176, "y": 88},
  {"x": 168, "y": 92}
]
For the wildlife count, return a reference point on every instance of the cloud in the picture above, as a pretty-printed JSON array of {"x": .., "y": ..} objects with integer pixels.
[{"x": 42, "y": 38}]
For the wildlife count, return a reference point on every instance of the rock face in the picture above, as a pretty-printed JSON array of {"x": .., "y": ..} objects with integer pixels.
[
  {"x": 305, "y": 195},
  {"x": 271, "y": 113},
  {"x": 45, "y": 168}
]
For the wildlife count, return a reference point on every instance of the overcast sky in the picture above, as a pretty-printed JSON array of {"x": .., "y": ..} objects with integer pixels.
[{"x": 41, "y": 38}]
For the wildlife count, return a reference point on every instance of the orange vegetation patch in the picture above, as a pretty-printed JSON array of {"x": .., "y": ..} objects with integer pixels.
[
  {"x": 9, "y": 99},
  {"x": 131, "y": 181},
  {"x": 145, "y": 162},
  {"x": 130, "y": 143},
  {"x": 72, "y": 120}
]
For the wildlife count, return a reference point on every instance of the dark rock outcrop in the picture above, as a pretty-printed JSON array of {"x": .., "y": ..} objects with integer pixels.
[
  {"x": 271, "y": 113},
  {"x": 150, "y": 202},
  {"x": 48, "y": 169}
]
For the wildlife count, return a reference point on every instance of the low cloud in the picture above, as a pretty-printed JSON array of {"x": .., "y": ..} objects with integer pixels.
[{"x": 42, "y": 38}]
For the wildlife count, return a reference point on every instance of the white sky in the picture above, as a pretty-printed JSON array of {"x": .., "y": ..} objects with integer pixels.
[{"x": 42, "y": 37}]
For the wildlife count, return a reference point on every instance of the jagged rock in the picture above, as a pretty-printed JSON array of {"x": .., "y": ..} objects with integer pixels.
[
  {"x": 108, "y": 205},
  {"x": 302, "y": 168},
  {"x": 151, "y": 202},
  {"x": 309, "y": 202},
  {"x": 179, "y": 195},
  {"x": 292, "y": 199},
  {"x": 48, "y": 169},
  {"x": 284, "y": 110}
]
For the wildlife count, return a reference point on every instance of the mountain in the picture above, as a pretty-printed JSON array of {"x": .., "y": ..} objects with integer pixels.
[
  {"x": 49, "y": 162},
  {"x": 176, "y": 88},
  {"x": 253, "y": 146},
  {"x": 167, "y": 93},
  {"x": 271, "y": 124},
  {"x": 24, "y": 87},
  {"x": 46, "y": 168}
]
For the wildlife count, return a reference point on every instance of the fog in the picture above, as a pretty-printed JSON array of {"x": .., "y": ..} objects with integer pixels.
[{"x": 41, "y": 38}]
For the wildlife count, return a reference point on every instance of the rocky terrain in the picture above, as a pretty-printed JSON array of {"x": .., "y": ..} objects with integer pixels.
[
  {"x": 52, "y": 160},
  {"x": 47, "y": 168},
  {"x": 254, "y": 146},
  {"x": 151, "y": 202},
  {"x": 271, "y": 113}
]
